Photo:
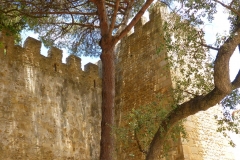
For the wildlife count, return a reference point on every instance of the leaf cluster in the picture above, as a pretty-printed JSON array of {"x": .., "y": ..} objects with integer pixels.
[
  {"x": 192, "y": 68},
  {"x": 143, "y": 123},
  {"x": 227, "y": 125}
]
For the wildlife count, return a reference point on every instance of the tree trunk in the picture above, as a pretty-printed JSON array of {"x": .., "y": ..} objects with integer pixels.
[
  {"x": 108, "y": 94},
  {"x": 155, "y": 149}
]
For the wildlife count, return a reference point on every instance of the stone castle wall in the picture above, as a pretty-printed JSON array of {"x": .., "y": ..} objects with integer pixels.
[
  {"x": 203, "y": 142},
  {"x": 48, "y": 110},
  {"x": 142, "y": 74}
]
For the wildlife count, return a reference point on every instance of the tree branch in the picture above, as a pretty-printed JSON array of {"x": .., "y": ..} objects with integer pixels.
[
  {"x": 126, "y": 17},
  {"x": 72, "y": 23},
  {"x": 134, "y": 20},
  {"x": 66, "y": 12},
  {"x": 138, "y": 143},
  {"x": 190, "y": 93},
  {"x": 114, "y": 16},
  {"x": 221, "y": 65},
  {"x": 120, "y": 9},
  {"x": 228, "y": 7},
  {"x": 103, "y": 18},
  {"x": 196, "y": 104},
  {"x": 208, "y": 46},
  {"x": 236, "y": 82}
]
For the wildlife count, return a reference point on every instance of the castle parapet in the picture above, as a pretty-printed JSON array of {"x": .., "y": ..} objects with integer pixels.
[
  {"x": 55, "y": 54},
  {"x": 143, "y": 25},
  {"x": 29, "y": 55},
  {"x": 32, "y": 46},
  {"x": 74, "y": 63},
  {"x": 92, "y": 69},
  {"x": 139, "y": 25},
  {"x": 6, "y": 43}
]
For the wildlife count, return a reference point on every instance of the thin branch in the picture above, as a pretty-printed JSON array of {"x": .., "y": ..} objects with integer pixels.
[
  {"x": 208, "y": 46},
  {"x": 190, "y": 93},
  {"x": 125, "y": 17},
  {"x": 120, "y": 9},
  {"x": 134, "y": 20},
  {"x": 71, "y": 23},
  {"x": 228, "y": 7},
  {"x": 138, "y": 143},
  {"x": 235, "y": 112},
  {"x": 66, "y": 12},
  {"x": 114, "y": 16}
]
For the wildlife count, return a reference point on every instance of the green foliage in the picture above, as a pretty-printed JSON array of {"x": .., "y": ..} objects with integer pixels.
[
  {"x": 227, "y": 126},
  {"x": 189, "y": 58},
  {"x": 196, "y": 11},
  {"x": 192, "y": 68},
  {"x": 230, "y": 102},
  {"x": 70, "y": 24},
  {"x": 73, "y": 25},
  {"x": 12, "y": 22},
  {"x": 12, "y": 26},
  {"x": 143, "y": 122}
]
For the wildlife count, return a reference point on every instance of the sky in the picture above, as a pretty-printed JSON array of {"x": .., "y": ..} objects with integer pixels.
[{"x": 219, "y": 25}]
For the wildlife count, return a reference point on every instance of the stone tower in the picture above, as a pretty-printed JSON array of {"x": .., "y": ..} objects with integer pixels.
[{"x": 143, "y": 73}]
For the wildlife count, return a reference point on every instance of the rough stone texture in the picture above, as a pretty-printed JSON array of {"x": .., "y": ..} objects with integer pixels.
[
  {"x": 141, "y": 75},
  {"x": 48, "y": 110},
  {"x": 204, "y": 143}
]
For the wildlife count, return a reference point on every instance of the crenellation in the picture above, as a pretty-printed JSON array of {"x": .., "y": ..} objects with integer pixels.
[
  {"x": 6, "y": 43},
  {"x": 74, "y": 63},
  {"x": 146, "y": 25},
  {"x": 91, "y": 68},
  {"x": 32, "y": 46},
  {"x": 55, "y": 54},
  {"x": 29, "y": 54},
  {"x": 138, "y": 27}
]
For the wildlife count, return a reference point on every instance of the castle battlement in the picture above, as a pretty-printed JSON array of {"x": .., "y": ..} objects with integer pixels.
[
  {"x": 52, "y": 107},
  {"x": 30, "y": 55},
  {"x": 149, "y": 23}
]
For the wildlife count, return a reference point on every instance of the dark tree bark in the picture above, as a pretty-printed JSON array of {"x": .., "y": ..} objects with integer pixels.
[{"x": 108, "y": 95}]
